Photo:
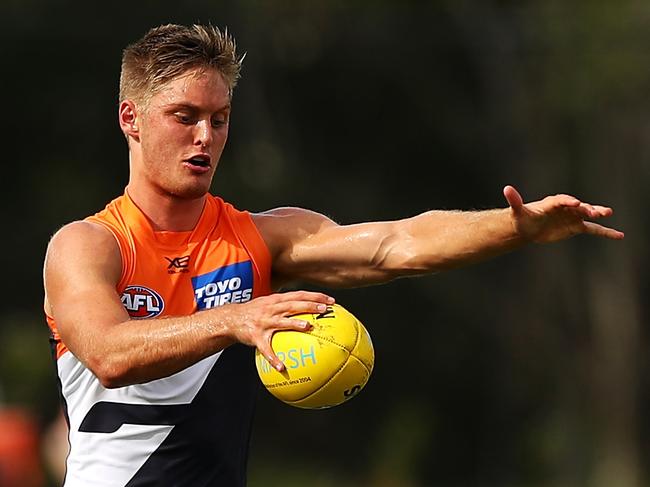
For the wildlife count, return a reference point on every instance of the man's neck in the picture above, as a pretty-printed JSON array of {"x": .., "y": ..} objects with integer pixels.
[{"x": 167, "y": 212}]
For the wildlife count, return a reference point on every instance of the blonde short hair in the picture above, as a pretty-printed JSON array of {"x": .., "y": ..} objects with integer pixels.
[{"x": 168, "y": 51}]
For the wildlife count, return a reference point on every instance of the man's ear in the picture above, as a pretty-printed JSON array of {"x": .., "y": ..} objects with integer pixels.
[{"x": 128, "y": 118}]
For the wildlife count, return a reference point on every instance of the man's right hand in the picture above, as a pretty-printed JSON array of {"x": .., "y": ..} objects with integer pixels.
[{"x": 253, "y": 323}]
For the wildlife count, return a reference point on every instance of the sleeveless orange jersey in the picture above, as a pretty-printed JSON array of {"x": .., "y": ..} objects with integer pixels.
[
  {"x": 223, "y": 260},
  {"x": 191, "y": 428}
]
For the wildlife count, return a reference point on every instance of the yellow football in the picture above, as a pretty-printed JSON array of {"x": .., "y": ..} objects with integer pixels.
[{"x": 325, "y": 366}]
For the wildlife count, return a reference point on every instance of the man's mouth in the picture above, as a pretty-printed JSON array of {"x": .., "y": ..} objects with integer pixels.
[{"x": 201, "y": 161}]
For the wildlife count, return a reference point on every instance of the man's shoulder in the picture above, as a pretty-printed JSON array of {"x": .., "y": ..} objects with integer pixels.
[
  {"x": 81, "y": 232},
  {"x": 283, "y": 228},
  {"x": 291, "y": 218},
  {"x": 79, "y": 248}
]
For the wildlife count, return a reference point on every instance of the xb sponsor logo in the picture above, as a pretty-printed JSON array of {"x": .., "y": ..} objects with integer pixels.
[
  {"x": 142, "y": 302},
  {"x": 178, "y": 264}
]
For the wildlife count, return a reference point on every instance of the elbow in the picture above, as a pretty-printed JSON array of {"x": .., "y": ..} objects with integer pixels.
[
  {"x": 112, "y": 381},
  {"x": 109, "y": 382},
  {"x": 109, "y": 372}
]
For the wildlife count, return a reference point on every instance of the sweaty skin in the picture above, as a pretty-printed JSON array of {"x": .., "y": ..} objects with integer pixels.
[{"x": 175, "y": 143}]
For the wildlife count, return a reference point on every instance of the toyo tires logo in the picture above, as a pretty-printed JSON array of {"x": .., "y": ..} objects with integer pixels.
[
  {"x": 229, "y": 284},
  {"x": 141, "y": 302}
]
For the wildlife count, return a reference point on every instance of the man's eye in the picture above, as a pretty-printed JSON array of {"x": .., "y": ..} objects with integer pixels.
[
  {"x": 183, "y": 118},
  {"x": 218, "y": 122}
]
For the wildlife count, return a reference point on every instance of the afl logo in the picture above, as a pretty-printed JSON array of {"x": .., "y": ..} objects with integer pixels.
[{"x": 142, "y": 302}]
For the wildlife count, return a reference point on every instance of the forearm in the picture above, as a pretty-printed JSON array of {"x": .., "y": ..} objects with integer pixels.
[
  {"x": 441, "y": 240},
  {"x": 138, "y": 351},
  {"x": 376, "y": 252},
  {"x": 135, "y": 351}
]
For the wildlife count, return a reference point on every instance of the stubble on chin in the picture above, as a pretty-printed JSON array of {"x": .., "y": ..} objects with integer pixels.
[
  {"x": 191, "y": 193},
  {"x": 190, "y": 190}
]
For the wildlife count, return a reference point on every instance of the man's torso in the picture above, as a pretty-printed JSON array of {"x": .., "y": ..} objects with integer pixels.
[{"x": 191, "y": 428}]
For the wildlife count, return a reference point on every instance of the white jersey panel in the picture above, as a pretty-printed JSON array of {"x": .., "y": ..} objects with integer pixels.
[{"x": 112, "y": 458}]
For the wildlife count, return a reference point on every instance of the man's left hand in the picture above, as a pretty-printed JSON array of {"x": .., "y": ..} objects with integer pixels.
[{"x": 557, "y": 217}]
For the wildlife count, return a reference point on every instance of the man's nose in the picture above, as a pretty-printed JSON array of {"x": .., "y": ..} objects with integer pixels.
[{"x": 203, "y": 135}]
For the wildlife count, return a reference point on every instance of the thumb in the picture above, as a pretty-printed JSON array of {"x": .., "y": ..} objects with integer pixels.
[{"x": 514, "y": 199}]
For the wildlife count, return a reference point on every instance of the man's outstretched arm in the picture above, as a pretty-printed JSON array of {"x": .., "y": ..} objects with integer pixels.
[{"x": 309, "y": 247}]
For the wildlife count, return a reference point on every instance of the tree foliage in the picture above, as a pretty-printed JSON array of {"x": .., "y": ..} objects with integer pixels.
[{"x": 527, "y": 370}]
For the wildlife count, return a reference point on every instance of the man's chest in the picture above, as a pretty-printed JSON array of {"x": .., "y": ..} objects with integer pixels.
[{"x": 172, "y": 282}]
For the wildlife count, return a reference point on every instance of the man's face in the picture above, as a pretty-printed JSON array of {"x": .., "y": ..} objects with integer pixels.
[{"x": 183, "y": 130}]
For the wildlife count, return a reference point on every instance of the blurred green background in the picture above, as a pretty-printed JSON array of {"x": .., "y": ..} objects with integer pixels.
[{"x": 528, "y": 370}]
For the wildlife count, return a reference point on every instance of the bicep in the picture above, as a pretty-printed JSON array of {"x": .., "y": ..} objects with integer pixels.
[
  {"x": 312, "y": 248},
  {"x": 82, "y": 268}
]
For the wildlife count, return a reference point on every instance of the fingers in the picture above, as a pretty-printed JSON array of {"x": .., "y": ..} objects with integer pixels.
[
  {"x": 516, "y": 202},
  {"x": 293, "y": 324},
  {"x": 289, "y": 308},
  {"x": 268, "y": 314},
  {"x": 558, "y": 202},
  {"x": 602, "y": 231},
  {"x": 585, "y": 210},
  {"x": 306, "y": 296},
  {"x": 557, "y": 217},
  {"x": 597, "y": 211},
  {"x": 283, "y": 324},
  {"x": 297, "y": 302},
  {"x": 270, "y": 356},
  {"x": 577, "y": 207},
  {"x": 283, "y": 305}
]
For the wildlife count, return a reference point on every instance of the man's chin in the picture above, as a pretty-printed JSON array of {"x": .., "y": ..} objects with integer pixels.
[{"x": 191, "y": 192}]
